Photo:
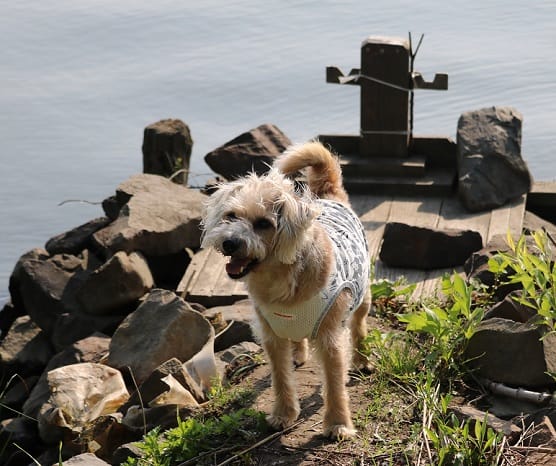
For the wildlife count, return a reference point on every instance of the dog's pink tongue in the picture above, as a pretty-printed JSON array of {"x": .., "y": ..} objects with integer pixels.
[{"x": 236, "y": 266}]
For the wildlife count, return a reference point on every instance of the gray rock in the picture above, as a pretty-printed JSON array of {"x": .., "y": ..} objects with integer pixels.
[
  {"x": 19, "y": 431},
  {"x": 76, "y": 240},
  {"x": 125, "y": 451},
  {"x": 175, "y": 225},
  {"x": 72, "y": 327},
  {"x": 44, "y": 286},
  {"x": 25, "y": 349},
  {"x": 163, "y": 327},
  {"x": 491, "y": 169},
  {"x": 510, "y": 308},
  {"x": 254, "y": 150},
  {"x": 167, "y": 146},
  {"x": 8, "y": 314},
  {"x": 425, "y": 248},
  {"x": 121, "y": 281},
  {"x": 15, "y": 277},
  {"x": 512, "y": 353}
]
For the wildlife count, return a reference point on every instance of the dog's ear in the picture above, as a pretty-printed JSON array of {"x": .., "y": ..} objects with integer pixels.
[
  {"x": 295, "y": 215},
  {"x": 216, "y": 206}
]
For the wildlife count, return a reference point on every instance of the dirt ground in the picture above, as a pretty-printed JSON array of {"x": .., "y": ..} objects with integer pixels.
[{"x": 305, "y": 445}]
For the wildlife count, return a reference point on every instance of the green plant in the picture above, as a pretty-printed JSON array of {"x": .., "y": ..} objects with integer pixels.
[
  {"x": 193, "y": 437},
  {"x": 448, "y": 325},
  {"x": 446, "y": 440},
  {"x": 532, "y": 267}
]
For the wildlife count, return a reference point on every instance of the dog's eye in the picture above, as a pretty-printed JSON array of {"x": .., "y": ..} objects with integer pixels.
[
  {"x": 262, "y": 224},
  {"x": 230, "y": 217}
]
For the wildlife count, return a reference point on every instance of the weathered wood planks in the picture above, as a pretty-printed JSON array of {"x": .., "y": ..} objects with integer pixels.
[{"x": 206, "y": 281}]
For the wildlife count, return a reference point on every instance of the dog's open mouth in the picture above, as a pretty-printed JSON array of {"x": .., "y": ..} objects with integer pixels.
[{"x": 239, "y": 267}]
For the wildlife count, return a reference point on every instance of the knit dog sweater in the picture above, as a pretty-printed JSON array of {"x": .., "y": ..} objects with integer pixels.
[{"x": 350, "y": 270}]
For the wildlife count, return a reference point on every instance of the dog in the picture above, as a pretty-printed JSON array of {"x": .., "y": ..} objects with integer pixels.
[{"x": 303, "y": 255}]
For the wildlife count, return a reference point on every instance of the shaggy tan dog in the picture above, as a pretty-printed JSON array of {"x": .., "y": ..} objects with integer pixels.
[{"x": 304, "y": 258}]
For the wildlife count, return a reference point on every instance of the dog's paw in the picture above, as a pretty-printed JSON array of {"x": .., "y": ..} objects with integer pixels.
[
  {"x": 280, "y": 422},
  {"x": 340, "y": 432}
]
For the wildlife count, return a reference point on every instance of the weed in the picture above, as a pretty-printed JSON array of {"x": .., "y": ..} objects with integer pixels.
[{"x": 534, "y": 269}]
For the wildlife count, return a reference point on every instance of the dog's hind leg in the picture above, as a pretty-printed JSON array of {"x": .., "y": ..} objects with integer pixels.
[{"x": 358, "y": 327}]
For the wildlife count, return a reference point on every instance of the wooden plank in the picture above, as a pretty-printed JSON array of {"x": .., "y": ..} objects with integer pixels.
[{"x": 507, "y": 218}]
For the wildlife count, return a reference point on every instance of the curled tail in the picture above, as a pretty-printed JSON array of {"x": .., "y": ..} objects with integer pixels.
[{"x": 324, "y": 175}]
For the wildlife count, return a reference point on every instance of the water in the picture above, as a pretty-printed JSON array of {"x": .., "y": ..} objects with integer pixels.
[{"x": 80, "y": 80}]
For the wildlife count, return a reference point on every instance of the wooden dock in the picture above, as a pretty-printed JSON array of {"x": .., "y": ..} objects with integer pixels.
[{"x": 206, "y": 281}]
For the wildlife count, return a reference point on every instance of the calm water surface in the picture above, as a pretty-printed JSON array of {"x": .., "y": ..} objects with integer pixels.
[{"x": 80, "y": 80}]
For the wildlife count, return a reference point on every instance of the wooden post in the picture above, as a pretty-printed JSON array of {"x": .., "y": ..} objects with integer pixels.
[
  {"x": 167, "y": 148},
  {"x": 385, "y": 86}
]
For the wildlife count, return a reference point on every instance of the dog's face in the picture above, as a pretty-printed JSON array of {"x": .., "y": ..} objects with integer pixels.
[{"x": 257, "y": 220}]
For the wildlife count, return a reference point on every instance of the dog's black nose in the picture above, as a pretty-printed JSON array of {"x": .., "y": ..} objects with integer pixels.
[{"x": 230, "y": 245}]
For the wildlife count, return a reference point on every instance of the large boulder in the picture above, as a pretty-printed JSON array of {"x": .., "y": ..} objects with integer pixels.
[
  {"x": 425, "y": 248},
  {"x": 118, "y": 283},
  {"x": 491, "y": 169},
  {"x": 513, "y": 353},
  {"x": 163, "y": 327},
  {"x": 159, "y": 217},
  {"x": 252, "y": 151}
]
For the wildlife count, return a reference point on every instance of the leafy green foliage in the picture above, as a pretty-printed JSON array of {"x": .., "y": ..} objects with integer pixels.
[
  {"x": 533, "y": 268},
  {"x": 448, "y": 325},
  {"x": 192, "y": 437}
]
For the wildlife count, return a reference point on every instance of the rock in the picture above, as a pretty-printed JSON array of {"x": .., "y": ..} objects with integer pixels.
[
  {"x": 125, "y": 451},
  {"x": 79, "y": 393},
  {"x": 76, "y": 240},
  {"x": 425, "y": 248},
  {"x": 105, "y": 434},
  {"x": 117, "y": 284},
  {"x": 17, "y": 391},
  {"x": 167, "y": 146},
  {"x": 163, "y": 327},
  {"x": 512, "y": 353},
  {"x": 238, "y": 316},
  {"x": 44, "y": 286},
  {"x": 169, "y": 269},
  {"x": 174, "y": 394},
  {"x": 506, "y": 428},
  {"x": 225, "y": 360},
  {"x": 166, "y": 417},
  {"x": 155, "y": 385},
  {"x": 509, "y": 308},
  {"x": 254, "y": 150},
  {"x": 92, "y": 349},
  {"x": 8, "y": 314},
  {"x": 25, "y": 350},
  {"x": 15, "y": 280},
  {"x": 85, "y": 459},
  {"x": 174, "y": 227},
  {"x": 19, "y": 431},
  {"x": 491, "y": 170},
  {"x": 73, "y": 327}
]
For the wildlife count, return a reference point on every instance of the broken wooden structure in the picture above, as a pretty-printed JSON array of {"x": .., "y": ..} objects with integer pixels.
[{"x": 386, "y": 157}]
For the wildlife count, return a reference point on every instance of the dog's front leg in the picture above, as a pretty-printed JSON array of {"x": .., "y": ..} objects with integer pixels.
[
  {"x": 286, "y": 405},
  {"x": 331, "y": 349}
]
